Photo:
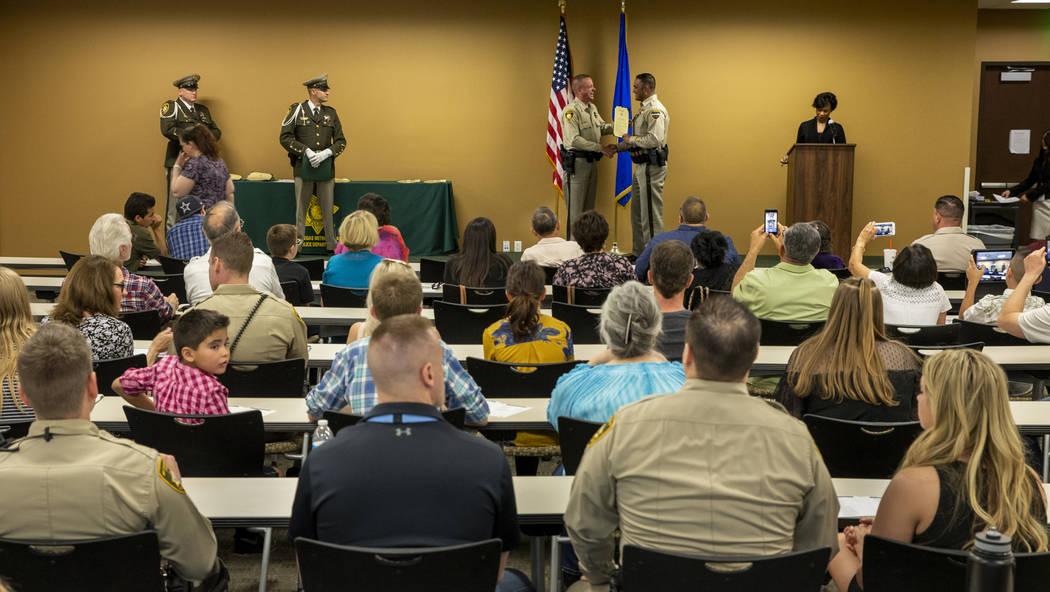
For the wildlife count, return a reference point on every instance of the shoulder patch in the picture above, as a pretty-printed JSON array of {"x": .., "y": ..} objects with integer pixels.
[
  {"x": 655, "y": 115},
  {"x": 602, "y": 431},
  {"x": 164, "y": 108},
  {"x": 165, "y": 475},
  {"x": 569, "y": 115}
]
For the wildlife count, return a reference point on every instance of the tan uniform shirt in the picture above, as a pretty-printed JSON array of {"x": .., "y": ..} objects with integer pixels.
[
  {"x": 649, "y": 129},
  {"x": 582, "y": 127},
  {"x": 275, "y": 332},
  {"x": 951, "y": 247},
  {"x": 85, "y": 483},
  {"x": 705, "y": 471}
]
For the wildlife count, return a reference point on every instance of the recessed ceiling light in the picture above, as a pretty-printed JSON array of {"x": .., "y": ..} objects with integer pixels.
[{"x": 1029, "y": 1}]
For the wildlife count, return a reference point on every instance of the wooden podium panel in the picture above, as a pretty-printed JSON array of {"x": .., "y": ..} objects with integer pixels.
[{"x": 820, "y": 187}]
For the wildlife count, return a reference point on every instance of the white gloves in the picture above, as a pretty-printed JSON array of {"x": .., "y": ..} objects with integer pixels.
[{"x": 317, "y": 158}]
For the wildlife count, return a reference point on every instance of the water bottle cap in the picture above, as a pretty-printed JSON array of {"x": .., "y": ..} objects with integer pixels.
[
  {"x": 322, "y": 423},
  {"x": 992, "y": 541}
]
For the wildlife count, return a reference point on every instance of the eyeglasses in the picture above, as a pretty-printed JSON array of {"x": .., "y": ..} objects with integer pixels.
[
  {"x": 298, "y": 242},
  {"x": 242, "y": 223},
  {"x": 120, "y": 285}
]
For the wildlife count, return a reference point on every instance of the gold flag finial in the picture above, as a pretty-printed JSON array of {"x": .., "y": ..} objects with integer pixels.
[
  {"x": 561, "y": 5},
  {"x": 623, "y": 5}
]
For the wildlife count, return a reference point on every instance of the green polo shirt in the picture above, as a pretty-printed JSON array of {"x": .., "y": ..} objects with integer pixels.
[
  {"x": 141, "y": 244},
  {"x": 787, "y": 292}
]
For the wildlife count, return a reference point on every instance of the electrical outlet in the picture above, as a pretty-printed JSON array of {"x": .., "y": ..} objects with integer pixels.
[
  {"x": 506, "y": 246},
  {"x": 517, "y": 246}
]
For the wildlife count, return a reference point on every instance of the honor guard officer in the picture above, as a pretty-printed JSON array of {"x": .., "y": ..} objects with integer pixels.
[
  {"x": 182, "y": 114},
  {"x": 582, "y": 129},
  {"x": 648, "y": 148},
  {"x": 313, "y": 137}
]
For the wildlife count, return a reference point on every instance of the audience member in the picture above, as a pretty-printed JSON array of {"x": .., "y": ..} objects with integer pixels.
[
  {"x": 706, "y": 470},
  {"x": 628, "y": 370},
  {"x": 950, "y": 245},
  {"x": 72, "y": 481},
  {"x": 391, "y": 245},
  {"x": 691, "y": 218},
  {"x": 110, "y": 237},
  {"x": 90, "y": 301},
  {"x": 351, "y": 269},
  {"x": 825, "y": 259},
  {"x": 911, "y": 294},
  {"x": 404, "y": 447},
  {"x": 16, "y": 327},
  {"x": 987, "y": 309},
  {"x": 709, "y": 248},
  {"x": 792, "y": 290},
  {"x": 670, "y": 275},
  {"x": 851, "y": 370},
  {"x": 147, "y": 230},
  {"x": 284, "y": 245},
  {"x": 198, "y": 168},
  {"x": 551, "y": 250},
  {"x": 186, "y": 238},
  {"x": 263, "y": 328},
  {"x": 222, "y": 219},
  {"x": 386, "y": 267},
  {"x": 1033, "y": 325},
  {"x": 478, "y": 264},
  {"x": 349, "y": 387},
  {"x": 595, "y": 268},
  {"x": 964, "y": 473},
  {"x": 526, "y": 335}
]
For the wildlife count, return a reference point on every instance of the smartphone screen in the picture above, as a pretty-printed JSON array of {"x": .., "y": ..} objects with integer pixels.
[
  {"x": 885, "y": 229},
  {"x": 771, "y": 222},
  {"x": 994, "y": 264},
  {"x": 1048, "y": 249}
]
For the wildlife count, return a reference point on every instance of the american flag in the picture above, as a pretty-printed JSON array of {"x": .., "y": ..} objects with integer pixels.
[{"x": 560, "y": 97}]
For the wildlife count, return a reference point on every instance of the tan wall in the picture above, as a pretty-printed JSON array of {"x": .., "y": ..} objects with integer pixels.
[{"x": 458, "y": 90}]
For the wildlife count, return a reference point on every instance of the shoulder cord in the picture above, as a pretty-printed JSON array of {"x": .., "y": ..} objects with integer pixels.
[{"x": 255, "y": 309}]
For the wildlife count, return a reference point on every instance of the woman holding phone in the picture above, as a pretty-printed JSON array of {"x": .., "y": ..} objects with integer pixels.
[{"x": 1036, "y": 188}]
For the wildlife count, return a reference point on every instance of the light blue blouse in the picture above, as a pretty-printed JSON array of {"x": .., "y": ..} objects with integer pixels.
[{"x": 595, "y": 393}]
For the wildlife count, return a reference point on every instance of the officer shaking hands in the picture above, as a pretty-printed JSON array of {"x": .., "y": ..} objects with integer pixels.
[
  {"x": 582, "y": 130},
  {"x": 179, "y": 115}
]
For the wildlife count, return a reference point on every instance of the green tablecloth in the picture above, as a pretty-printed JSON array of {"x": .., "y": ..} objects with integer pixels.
[{"x": 423, "y": 212}]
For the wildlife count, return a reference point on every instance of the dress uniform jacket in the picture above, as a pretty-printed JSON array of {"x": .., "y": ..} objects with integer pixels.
[
  {"x": 705, "y": 471},
  {"x": 175, "y": 116},
  {"x": 275, "y": 332},
  {"x": 85, "y": 483},
  {"x": 583, "y": 127},
  {"x": 301, "y": 129}
]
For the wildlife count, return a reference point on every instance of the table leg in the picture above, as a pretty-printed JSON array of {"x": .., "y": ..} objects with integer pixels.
[{"x": 537, "y": 561}]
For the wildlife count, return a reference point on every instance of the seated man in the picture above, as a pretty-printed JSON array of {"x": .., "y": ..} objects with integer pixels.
[
  {"x": 349, "y": 386},
  {"x": 186, "y": 238},
  {"x": 263, "y": 327},
  {"x": 69, "y": 480},
  {"x": 949, "y": 243},
  {"x": 551, "y": 250},
  {"x": 987, "y": 309},
  {"x": 222, "y": 219},
  {"x": 414, "y": 495},
  {"x": 691, "y": 218},
  {"x": 110, "y": 237},
  {"x": 792, "y": 290},
  {"x": 743, "y": 477},
  {"x": 1015, "y": 318},
  {"x": 670, "y": 274},
  {"x": 147, "y": 229},
  {"x": 283, "y": 245}
]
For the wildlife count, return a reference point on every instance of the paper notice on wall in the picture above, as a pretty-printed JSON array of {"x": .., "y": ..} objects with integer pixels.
[
  {"x": 1020, "y": 141},
  {"x": 621, "y": 117}
]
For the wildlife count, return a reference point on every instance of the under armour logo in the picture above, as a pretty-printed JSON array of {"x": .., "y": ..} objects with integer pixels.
[{"x": 403, "y": 431}]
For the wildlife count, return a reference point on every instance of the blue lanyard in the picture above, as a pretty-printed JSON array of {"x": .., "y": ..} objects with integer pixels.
[{"x": 401, "y": 418}]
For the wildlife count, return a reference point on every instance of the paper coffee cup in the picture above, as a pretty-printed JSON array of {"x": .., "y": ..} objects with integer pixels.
[{"x": 888, "y": 255}]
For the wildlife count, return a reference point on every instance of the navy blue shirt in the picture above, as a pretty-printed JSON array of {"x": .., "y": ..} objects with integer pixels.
[{"x": 684, "y": 233}]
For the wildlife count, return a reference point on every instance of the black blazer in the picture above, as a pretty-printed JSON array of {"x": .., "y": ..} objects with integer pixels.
[
  {"x": 1037, "y": 183},
  {"x": 833, "y": 133}
]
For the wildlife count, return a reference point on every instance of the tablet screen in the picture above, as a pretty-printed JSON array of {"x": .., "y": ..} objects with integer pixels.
[{"x": 993, "y": 264}]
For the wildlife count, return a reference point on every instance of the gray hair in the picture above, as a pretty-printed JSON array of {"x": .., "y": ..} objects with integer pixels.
[
  {"x": 221, "y": 219},
  {"x": 544, "y": 221},
  {"x": 108, "y": 234},
  {"x": 801, "y": 242},
  {"x": 631, "y": 320}
]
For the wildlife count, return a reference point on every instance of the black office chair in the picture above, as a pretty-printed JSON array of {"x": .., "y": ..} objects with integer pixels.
[
  {"x": 582, "y": 320},
  {"x": 579, "y": 296},
  {"x": 13, "y": 430},
  {"x": 107, "y": 371},
  {"x": 171, "y": 283},
  {"x": 314, "y": 266},
  {"x": 463, "y": 323},
  {"x": 284, "y": 378},
  {"x": 145, "y": 324},
  {"x": 431, "y": 270},
  {"x": 1040, "y": 294},
  {"x": 647, "y": 570},
  {"x": 337, "y": 421},
  {"x": 471, "y": 567},
  {"x": 548, "y": 275},
  {"x": 842, "y": 274},
  {"x": 466, "y": 295},
  {"x": 925, "y": 335},
  {"x": 928, "y": 350},
  {"x": 122, "y": 562},
  {"x": 694, "y": 296},
  {"x": 788, "y": 332},
  {"x": 506, "y": 379},
  {"x": 952, "y": 280},
  {"x": 171, "y": 265},
  {"x": 989, "y": 334},
  {"x": 290, "y": 290},
  {"x": 861, "y": 449},
  {"x": 220, "y": 446},
  {"x": 339, "y": 296},
  {"x": 573, "y": 436},
  {"x": 70, "y": 259}
]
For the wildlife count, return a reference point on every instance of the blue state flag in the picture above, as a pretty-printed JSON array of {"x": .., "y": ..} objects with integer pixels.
[{"x": 622, "y": 98}]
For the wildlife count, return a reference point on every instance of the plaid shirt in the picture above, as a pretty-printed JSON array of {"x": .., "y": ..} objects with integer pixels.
[
  {"x": 177, "y": 388},
  {"x": 143, "y": 294},
  {"x": 186, "y": 238},
  {"x": 349, "y": 382}
]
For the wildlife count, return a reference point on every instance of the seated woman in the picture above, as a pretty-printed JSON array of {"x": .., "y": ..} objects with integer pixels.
[
  {"x": 391, "y": 245},
  {"x": 525, "y": 335},
  {"x": 110, "y": 237},
  {"x": 351, "y": 269},
  {"x": 964, "y": 473},
  {"x": 477, "y": 264},
  {"x": 911, "y": 295},
  {"x": 89, "y": 300},
  {"x": 595, "y": 268},
  {"x": 709, "y": 248},
  {"x": 628, "y": 370},
  {"x": 16, "y": 327},
  {"x": 198, "y": 170},
  {"x": 386, "y": 267},
  {"x": 851, "y": 370},
  {"x": 825, "y": 259}
]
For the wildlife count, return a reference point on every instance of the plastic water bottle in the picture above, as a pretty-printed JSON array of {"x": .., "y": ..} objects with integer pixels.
[
  {"x": 322, "y": 434},
  {"x": 990, "y": 566}
]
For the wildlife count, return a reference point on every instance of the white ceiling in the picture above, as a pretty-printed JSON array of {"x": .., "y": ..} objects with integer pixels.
[{"x": 1007, "y": 4}]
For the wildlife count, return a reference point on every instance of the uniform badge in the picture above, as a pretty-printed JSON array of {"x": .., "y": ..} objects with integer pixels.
[
  {"x": 164, "y": 108},
  {"x": 167, "y": 477},
  {"x": 569, "y": 115},
  {"x": 655, "y": 115},
  {"x": 602, "y": 431},
  {"x": 328, "y": 119}
]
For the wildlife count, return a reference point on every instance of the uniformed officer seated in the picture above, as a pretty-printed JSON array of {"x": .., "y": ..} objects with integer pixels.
[{"x": 68, "y": 480}]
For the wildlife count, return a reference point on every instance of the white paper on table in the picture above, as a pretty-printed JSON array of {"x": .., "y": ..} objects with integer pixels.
[
  {"x": 1002, "y": 199},
  {"x": 1020, "y": 141},
  {"x": 501, "y": 409},
  {"x": 858, "y": 507},
  {"x": 239, "y": 409},
  {"x": 621, "y": 117}
]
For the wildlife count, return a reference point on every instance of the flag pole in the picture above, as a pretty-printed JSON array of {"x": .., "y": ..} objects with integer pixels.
[
  {"x": 557, "y": 195},
  {"x": 616, "y": 205}
]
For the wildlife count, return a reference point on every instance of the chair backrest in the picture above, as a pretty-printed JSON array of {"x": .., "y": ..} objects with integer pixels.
[
  {"x": 462, "y": 323},
  {"x": 929, "y": 350},
  {"x": 145, "y": 324},
  {"x": 339, "y": 296},
  {"x": 70, "y": 259},
  {"x": 788, "y": 332},
  {"x": 579, "y": 296},
  {"x": 284, "y": 378},
  {"x": 171, "y": 264},
  {"x": 582, "y": 320},
  {"x": 219, "y": 446},
  {"x": 1040, "y": 294},
  {"x": 12, "y": 430},
  {"x": 989, "y": 334},
  {"x": 697, "y": 294},
  {"x": 171, "y": 283},
  {"x": 122, "y": 562},
  {"x": 952, "y": 280},
  {"x": 431, "y": 270},
  {"x": 467, "y": 295},
  {"x": 921, "y": 335},
  {"x": 107, "y": 371},
  {"x": 506, "y": 379},
  {"x": 657, "y": 571},
  {"x": 573, "y": 436},
  {"x": 861, "y": 449},
  {"x": 337, "y": 421},
  {"x": 290, "y": 289},
  {"x": 842, "y": 274},
  {"x": 315, "y": 267},
  {"x": 471, "y": 567},
  {"x": 548, "y": 274}
]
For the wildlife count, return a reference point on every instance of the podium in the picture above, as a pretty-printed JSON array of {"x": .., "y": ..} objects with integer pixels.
[{"x": 820, "y": 187}]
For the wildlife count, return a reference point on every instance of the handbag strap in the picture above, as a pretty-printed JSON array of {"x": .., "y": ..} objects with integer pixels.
[{"x": 255, "y": 309}]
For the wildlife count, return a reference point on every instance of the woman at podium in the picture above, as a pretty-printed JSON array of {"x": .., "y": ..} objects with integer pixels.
[{"x": 822, "y": 129}]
